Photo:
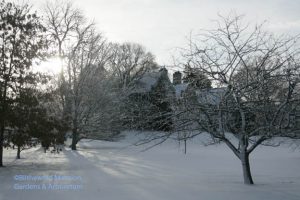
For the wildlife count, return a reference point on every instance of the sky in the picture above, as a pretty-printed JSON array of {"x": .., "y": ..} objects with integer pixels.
[{"x": 163, "y": 26}]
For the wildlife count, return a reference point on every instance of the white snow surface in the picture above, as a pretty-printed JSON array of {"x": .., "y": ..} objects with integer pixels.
[{"x": 121, "y": 171}]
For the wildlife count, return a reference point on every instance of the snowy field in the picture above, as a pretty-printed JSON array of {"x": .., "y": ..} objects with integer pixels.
[{"x": 118, "y": 171}]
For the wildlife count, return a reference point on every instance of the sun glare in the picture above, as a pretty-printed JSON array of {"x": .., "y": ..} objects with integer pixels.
[{"x": 52, "y": 66}]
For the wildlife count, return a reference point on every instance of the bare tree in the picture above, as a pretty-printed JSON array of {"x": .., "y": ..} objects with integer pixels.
[
  {"x": 61, "y": 20},
  {"x": 129, "y": 62},
  {"x": 86, "y": 75},
  {"x": 84, "y": 53},
  {"x": 257, "y": 75}
]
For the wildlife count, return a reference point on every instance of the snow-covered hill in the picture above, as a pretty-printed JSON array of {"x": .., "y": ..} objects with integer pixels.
[{"x": 120, "y": 171}]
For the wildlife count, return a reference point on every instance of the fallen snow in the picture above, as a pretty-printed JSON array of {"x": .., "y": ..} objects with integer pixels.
[{"x": 120, "y": 171}]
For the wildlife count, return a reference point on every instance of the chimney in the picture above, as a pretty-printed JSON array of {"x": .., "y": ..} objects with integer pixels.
[{"x": 177, "y": 76}]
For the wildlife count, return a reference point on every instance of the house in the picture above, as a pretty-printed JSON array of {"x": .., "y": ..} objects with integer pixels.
[
  {"x": 153, "y": 99},
  {"x": 150, "y": 101},
  {"x": 150, "y": 80}
]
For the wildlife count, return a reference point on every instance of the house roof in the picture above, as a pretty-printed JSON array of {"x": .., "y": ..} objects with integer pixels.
[
  {"x": 210, "y": 96},
  {"x": 180, "y": 88},
  {"x": 148, "y": 81}
]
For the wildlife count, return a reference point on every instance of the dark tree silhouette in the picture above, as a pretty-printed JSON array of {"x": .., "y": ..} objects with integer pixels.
[{"x": 22, "y": 40}]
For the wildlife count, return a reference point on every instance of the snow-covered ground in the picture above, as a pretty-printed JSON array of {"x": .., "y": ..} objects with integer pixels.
[{"x": 118, "y": 171}]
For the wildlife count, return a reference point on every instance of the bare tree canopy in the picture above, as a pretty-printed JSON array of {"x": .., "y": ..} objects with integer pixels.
[
  {"x": 129, "y": 62},
  {"x": 258, "y": 78}
]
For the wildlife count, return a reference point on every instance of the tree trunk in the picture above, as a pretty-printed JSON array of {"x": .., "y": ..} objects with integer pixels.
[
  {"x": 75, "y": 127},
  {"x": 19, "y": 153},
  {"x": 243, "y": 155},
  {"x": 184, "y": 146},
  {"x": 246, "y": 168},
  {"x": 74, "y": 139},
  {"x": 1, "y": 144},
  {"x": 1, "y": 151},
  {"x": 73, "y": 146}
]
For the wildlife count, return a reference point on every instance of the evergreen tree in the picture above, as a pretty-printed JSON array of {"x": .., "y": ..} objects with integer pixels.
[
  {"x": 196, "y": 78},
  {"x": 162, "y": 96},
  {"x": 22, "y": 40},
  {"x": 24, "y": 113}
]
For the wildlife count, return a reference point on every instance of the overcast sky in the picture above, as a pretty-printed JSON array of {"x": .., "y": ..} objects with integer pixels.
[{"x": 162, "y": 25}]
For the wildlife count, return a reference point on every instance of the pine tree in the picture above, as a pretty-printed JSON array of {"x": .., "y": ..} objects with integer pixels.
[
  {"x": 22, "y": 40},
  {"x": 162, "y": 96}
]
